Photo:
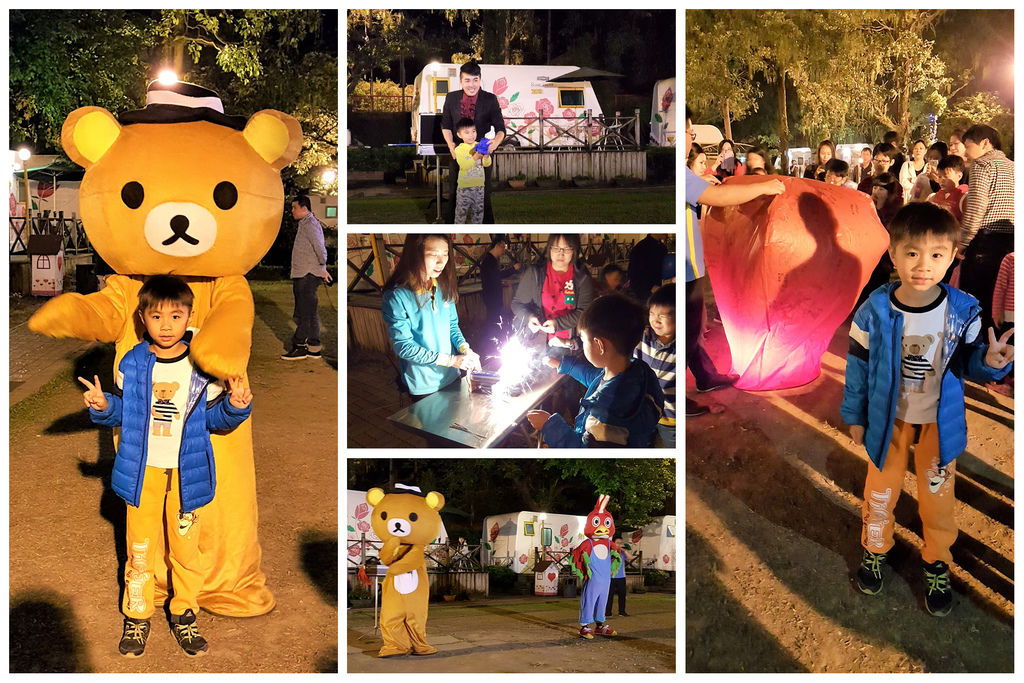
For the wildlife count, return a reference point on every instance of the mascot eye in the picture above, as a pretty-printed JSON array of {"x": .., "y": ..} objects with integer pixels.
[
  {"x": 132, "y": 195},
  {"x": 383, "y": 515},
  {"x": 596, "y": 521},
  {"x": 607, "y": 521},
  {"x": 413, "y": 516},
  {"x": 225, "y": 195}
]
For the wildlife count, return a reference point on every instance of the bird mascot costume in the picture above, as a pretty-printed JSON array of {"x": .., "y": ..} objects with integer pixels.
[
  {"x": 179, "y": 187},
  {"x": 406, "y": 521},
  {"x": 596, "y": 560}
]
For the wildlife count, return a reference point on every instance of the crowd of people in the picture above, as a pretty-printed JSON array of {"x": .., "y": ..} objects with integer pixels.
[{"x": 615, "y": 336}]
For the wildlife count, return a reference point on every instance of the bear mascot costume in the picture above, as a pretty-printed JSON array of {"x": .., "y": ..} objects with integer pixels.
[
  {"x": 406, "y": 521},
  {"x": 181, "y": 188},
  {"x": 596, "y": 560}
]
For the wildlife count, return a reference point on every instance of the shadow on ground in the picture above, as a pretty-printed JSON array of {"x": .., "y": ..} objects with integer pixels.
[
  {"x": 43, "y": 636},
  {"x": 320, "y": 562}
]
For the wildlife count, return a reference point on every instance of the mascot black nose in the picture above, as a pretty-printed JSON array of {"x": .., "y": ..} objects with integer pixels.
[{"x": 179, "y": 225}]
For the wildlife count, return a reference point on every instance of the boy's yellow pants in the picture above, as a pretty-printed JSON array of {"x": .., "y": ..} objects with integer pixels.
[
  {"x": 935, "y": 499},
  {"x": 158, "y": 518}
]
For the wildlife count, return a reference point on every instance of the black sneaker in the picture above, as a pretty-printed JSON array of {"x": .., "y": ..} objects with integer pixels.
[
  {"x": 718, "y": 382},
  {"x": 297, "y": 353},
  {"x": 869, "y": 574},
  {"x": 133, "y": 639},
  {"x": 310, "y": 353},
  {"x": 186, "y": 632},
  {"x": 938, "y": 593},
  {"x": 694, "y": 409}
]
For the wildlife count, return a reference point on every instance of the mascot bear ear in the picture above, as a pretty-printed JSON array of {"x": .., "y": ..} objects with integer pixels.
[
  {"x": 275, "y": 136},
  {"x": 374, "y": 496},
  {"x": 88, "y": 133},
  {"x": 435, "y": 501}
]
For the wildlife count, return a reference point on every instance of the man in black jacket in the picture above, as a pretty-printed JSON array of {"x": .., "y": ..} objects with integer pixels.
[
  {"x": 491, "y": 274},
  {"x": 475, "y": 103},
  {"x": 645, "y": 262}
]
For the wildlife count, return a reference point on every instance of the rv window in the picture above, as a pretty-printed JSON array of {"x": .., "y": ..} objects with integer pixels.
[
  {"x": 547, "y": 537},
  {"x": 440, "y": 86},
  {"x": 670, "y": 531},
  {"x": 528, "y": 529},
  {"x": 570, "y": 97},
  {"x": 332, "y": 212}
]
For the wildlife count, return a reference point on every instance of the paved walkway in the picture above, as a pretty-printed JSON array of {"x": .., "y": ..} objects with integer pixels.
[{"x": 34, "y": 359}]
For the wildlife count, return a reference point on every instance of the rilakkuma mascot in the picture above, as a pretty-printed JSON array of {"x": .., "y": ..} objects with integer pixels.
[
  {"x": 406, "y": 520},
  {"x": 596, "y": 560},
  {"x": 179, "y": 187}
]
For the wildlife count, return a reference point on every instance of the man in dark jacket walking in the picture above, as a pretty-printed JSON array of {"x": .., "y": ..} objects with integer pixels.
[
  {"x": 472, "y": 102},
  {"x": 497, "y": 328},
  {"x": 645, "y": 261}
]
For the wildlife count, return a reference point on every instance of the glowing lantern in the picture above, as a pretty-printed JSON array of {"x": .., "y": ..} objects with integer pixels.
[{"x": 786, "y": 271}]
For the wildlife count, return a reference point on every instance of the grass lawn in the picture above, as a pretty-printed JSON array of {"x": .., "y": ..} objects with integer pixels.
[{"x": 614, "y": 205}]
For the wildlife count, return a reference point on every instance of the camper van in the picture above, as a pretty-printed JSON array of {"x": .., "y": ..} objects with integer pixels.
[
  {"x": 523, "y": 91},
  {"x": 358, "y": 524},
  {"x": 510, "y": 539},
  {"x": 657, "y": 541},
  {"x": 663, "y": 113}
]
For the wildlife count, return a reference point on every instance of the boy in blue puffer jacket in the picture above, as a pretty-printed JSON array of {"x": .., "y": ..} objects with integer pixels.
[
  {"x": 911, "y": 345},
  {"x": 623, "y": 401},
  {"x": 165, "y": 408}
]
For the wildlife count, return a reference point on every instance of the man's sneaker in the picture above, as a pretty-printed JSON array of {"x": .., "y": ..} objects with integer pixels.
[
  {"x": 133, "y": 639},
  {"x": 694, "y": 409},
  {"x": 605, "y": 630},
  {"x": 186, "y": 632},
  {"x": 310, "y": 353},
  {"x": 869, "y": 574},
  {"x": 718, "y": 382},
  {"x": 297, "y": 353},
  {"x": 587, "y": 632},
  {"x": 938, "y": 593}
]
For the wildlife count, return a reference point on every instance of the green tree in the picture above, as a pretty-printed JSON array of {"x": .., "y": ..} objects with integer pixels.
[
  {"x": 375, "y": 39},
  {"x": 62, "y": 60},
  {"x": 638, "y": 487},
  {"x": 981, "y": 108}
]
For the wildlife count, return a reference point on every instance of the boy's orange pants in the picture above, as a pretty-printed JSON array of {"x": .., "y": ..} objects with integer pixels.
[
  {"x": 157, "y": 518},
  {"x": 935, "y": 499}
]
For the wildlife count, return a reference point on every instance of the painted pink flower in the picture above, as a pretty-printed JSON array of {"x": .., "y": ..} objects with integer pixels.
[
  {"x": 544, "y": 107},
  {"x": 637, "y": 535},
  {"x": 494, "y": 531},
  {"x": 500, "y": 86},
  {"x": 666, "y": 99},
  {"x": 529, "y": 118},
  {"x": 353, "y": 550},
  {"x": 552, "y": 132},
  {"x": 664, "y": 558},
  {"x": 595, "y": 131},
  {"x": 564, "y": 530},
  {"x": 361, "y": 510},
  {"x": 523, "y": 558},
  {"x": 363, "y": 526},
  {"x": 568, "y": 114},
  {"x": 507, "y": 122},
  {"x": 503, "y": 102}
]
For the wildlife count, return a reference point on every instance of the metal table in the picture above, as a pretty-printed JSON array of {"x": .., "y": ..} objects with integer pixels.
[{"x": 455, "y": 416}]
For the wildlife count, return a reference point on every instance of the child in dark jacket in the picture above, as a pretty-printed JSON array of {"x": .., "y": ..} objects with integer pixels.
[
  {"x": 623, "y": 401},
  {"x": 164, "y": 465},
  {"x": 911, "y": 344}
]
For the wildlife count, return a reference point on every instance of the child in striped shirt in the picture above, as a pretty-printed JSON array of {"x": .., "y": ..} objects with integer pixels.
[{"x": 657, "y": 348}]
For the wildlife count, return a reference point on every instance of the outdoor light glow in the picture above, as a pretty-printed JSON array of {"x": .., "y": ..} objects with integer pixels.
[
  {"x": 24, "y": 154},
  {"x": 786, "y": 272},
  {"x": 329, "y": 176},
  {"x": 167, "y": 77}
]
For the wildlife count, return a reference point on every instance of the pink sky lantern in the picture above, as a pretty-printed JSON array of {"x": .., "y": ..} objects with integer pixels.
[{"x": 786, "y": 271}]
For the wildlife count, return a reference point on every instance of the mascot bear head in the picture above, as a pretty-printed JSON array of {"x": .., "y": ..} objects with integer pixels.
[
  {"x": 179, "y": 186},
  {"x": 406, "y": 514}
]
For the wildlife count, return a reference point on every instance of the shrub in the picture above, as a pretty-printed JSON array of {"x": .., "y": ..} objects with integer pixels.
[
  {"x": 391, "y": 161},
  {"x": 661, "y": 164},
  {"x": 502, "y": 579},
  {"x": 655, "y": 577}
]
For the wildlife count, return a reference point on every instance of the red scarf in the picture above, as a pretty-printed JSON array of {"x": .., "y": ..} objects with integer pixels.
[{"x": 556, "y": 295}]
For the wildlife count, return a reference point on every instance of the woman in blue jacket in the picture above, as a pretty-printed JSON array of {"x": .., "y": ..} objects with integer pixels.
[{"x": 423, "y": 324}]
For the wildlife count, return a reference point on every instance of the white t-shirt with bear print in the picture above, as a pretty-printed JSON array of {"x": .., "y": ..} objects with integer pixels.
[{"x": 921, "y": 361}]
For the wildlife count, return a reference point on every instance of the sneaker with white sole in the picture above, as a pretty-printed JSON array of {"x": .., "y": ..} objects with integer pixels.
[
  {"x": 297, "y": 353},
  {"x": 134, "y": 637},
  {"x": 186, "y": 632}
]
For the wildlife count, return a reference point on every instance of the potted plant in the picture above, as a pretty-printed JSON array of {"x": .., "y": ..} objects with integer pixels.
[
  {"x": 360, "y": 596},
  {"x": 547, "y": 181},
  {"x": 518, "y": 181}
]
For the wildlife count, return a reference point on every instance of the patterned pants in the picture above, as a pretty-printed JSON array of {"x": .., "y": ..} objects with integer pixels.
[
  {"x": 469, "y": 199},
  {"x": 145, "y": 529}
]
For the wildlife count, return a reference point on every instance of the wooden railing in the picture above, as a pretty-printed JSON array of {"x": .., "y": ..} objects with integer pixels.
[
  {"x": 47, "y": 223},
  {"x": 585, "y": 131}
]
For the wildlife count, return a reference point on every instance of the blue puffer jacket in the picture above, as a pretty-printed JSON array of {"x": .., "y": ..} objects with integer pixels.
[
  {"x": 131, "y": 412},
  {"x": 873, "y": 371},
  {"x": 623, "y": 412}
]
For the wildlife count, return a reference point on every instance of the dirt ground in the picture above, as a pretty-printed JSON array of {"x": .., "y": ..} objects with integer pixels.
[
  {"x": 774, "y": 486},
  {"x": 526, "y": 635},
  {"x": 63, "y": 561}
]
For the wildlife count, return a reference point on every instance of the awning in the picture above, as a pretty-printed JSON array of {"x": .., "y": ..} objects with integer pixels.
[{"x": 586, "y": 74}]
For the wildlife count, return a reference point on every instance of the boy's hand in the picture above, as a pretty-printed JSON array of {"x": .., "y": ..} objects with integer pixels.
[
  {"x": 548, "y": 326},
  {"x": 533, "y": 324},
  {"x": 857, "y": 434},
  {"x": 94, "y": 397},
  {"x": 537, "y": 418},
  {"x": 240, "y": 396},
  {"x": 1000, "y": 354},
  {"x": 552, "y": 362}
]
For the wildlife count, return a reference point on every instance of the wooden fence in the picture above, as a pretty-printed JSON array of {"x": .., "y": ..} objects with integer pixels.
[{"x": 602, "y": 165}]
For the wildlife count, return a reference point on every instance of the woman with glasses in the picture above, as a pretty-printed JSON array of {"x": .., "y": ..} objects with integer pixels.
[{"x": 552, "y": 296}]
